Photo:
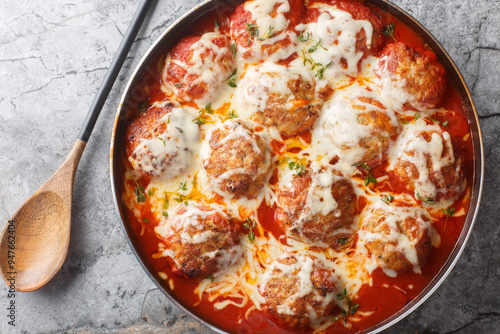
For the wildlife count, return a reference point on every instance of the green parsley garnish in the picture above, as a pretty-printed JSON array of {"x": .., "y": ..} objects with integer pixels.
[
  {"x": 297, "y": 167},
  {"x": 389, "y": 31},
  {"x": 250, "y": 224},
  {"x": 388, "y": 199},
  {"x": 369, "y": 177},
  {"x": 351, "y": 309},
  {"x": 143, "y": 107},
  {"x": 317, "y": 44},
  {"x": 427, "y": 200},
  {"x": 230, "y": 80}
]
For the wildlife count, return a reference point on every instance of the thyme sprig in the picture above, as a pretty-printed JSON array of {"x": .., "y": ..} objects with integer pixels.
[
  {"x": 425, "y": 200},
  {"x": 388, "y": 199},
  {"x": 250, "y": 224},
  {"x": 316, "y": 45},
  {"x": 139, "y": 192},
  {"x": 369, "y": 177},
  {"x": 389, "y": 31},
  {"x": 320, "y": 68},
  {"x": 351, "y": 309},
  {"x": 231, "y": 79},
  {"x": 297, "y": 167}
]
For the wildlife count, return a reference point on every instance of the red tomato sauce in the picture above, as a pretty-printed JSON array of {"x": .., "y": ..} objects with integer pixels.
[{"x": 387, "y": 295}]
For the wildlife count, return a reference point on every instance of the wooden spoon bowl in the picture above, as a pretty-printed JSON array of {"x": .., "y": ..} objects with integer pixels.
[{"x": 35, "y": 241}]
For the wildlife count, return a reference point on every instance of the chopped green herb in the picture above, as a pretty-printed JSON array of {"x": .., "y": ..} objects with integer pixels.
[
  {"x": 166, "y": 204},
  {"x": 297, "y": 167},
  {"x": 445, "y": 124},
  {"x": 139, "y": 192},
  {"x": 200, "y": 120},
  {"x": 146, "y": 220},
  {"x": 182, "y": 199},
  {"x": 179, "y": 129},
  {"x": 231, "y": 115},
  {"x": 230, "y": 80},
  {"x": 164, "y": 213},
  {"x": 163, "y": 140},
  {"x": 389, "y": 31},
  {"x": 233, "y": 48},
  {"x": 343, "y": 241},
  {"x": 143, "y": 107},
  {"x": 434, "y": 120},
  {"x": 316, "y": 45},
  {"x": 182, "y": 186},
  {"x": 208, "y": 109},
  {"x": 178, "y": 85},
  {"x": 210, "y": 277},
  {"x": 449, "y": 212},
  {"x": 351, "y": 309},
  {"x": 427, "y": 200},
  {"x": 250, "y": 224},
  {"x": 217, "y": 24},
  {"x": 388, "y": 199},
  {"x": 416, "y": 116},
  {"x": 369, "y": 177},
  {"x": 253, "y": 31},
  {"x": 404, "y": 121},
  {"x": 320, "y": 68},
  {"x": 194, "y": 183},
  {"x": 270, "y": 34},
  {"x": 151, "y": 192}
]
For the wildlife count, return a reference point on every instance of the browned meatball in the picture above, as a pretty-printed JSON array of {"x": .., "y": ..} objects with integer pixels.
[
  {"x": 419, "y": 73},
  {"x": 381, "y": 133},
  {"x": 155, "y": 146},
  {"x": 298, "y": 289},
  {"x": 239, "y": 161},
  {"x": 197, "y": 67},
  {"x": 199, "y": 240},
  {"x": 317, "y": 207},
  {"x": 428, "y": 163},
  {"x": 283, "y": 97},
  {"x": 399, "y": 238}
]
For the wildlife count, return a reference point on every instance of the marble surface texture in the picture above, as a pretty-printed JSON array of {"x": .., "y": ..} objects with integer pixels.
[{"x": 53, "y": 57}]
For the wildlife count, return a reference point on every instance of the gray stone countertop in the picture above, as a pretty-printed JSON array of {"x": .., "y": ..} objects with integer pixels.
[{"x": 53, "y": 57}]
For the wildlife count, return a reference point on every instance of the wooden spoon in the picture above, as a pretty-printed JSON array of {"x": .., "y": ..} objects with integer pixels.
[{"x": 34, "y": 242}]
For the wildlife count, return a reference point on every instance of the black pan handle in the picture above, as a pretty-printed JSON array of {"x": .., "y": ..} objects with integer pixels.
[{"x": 114, "y": 69}]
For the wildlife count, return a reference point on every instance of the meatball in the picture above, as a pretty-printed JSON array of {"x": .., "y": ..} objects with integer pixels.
[
  {"x": 399, "y": 238},
  {"x": 263, "y": 28},
  {"x": 298, "y": 289},
  {"x": 200, "y": 241},
  {"x": 382, "y": 131},
  {"x": 317, "y": 206},
  {"x": 417, "y": 76},
  {"x": 346, "y": 31},
  {"x": 155, "y": 145},
  {"x": 361, "y": 128},
  {"x": 239, "y": 161},
  {"x": 427, "y": 162},
  {"x": 283, "y": 97},
  {"x": 196, "y": 68}
]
